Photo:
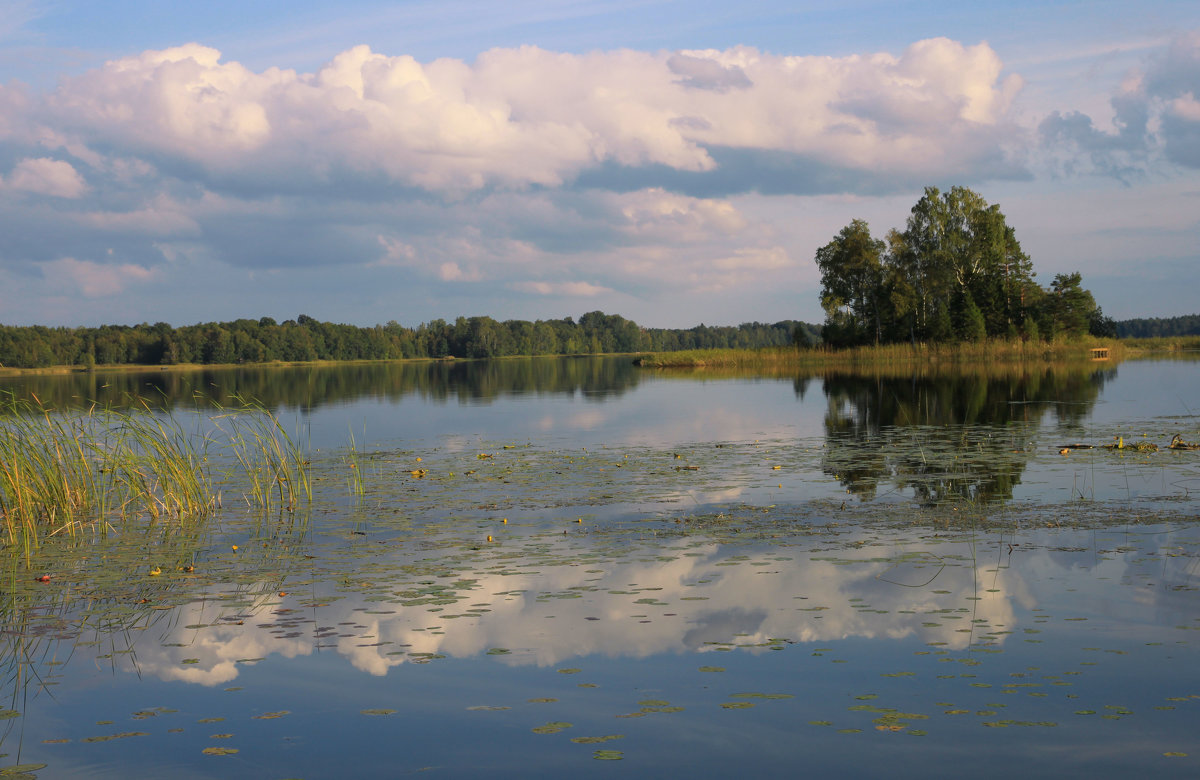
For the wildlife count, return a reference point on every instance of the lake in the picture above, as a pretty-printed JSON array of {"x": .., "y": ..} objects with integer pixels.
[{"x": 555, "y": 566}]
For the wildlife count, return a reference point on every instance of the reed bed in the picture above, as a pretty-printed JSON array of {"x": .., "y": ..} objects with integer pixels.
[
  {"x": 1171, "y": 344},
  {"x": 64, "y": 471},
  {"x": 886, "y": 354},
  {"x": 270, "y": 461}
]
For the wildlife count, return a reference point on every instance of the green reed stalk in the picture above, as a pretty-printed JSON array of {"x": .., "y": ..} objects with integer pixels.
[
  {"x": 273, "y": 463},
  {"x": 354, "y": 462}
]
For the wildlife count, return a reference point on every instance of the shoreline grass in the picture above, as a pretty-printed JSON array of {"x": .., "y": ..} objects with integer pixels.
[
  {"x": 1016, "y": 352},
  {"x": 61, "y": 472},
  {"x": 104, "y": 368},
  {"x": 270, "y": 459},
  {"x": 981, "y": 351}
]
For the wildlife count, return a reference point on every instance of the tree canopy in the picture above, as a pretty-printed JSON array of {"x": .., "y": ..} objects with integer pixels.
[
  {"x": 955, "y": 273},
  {"x": 306, "y": 338}
]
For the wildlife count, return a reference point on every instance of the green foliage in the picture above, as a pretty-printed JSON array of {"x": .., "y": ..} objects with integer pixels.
[
  {"x": 307, "y": 339},
  {"x": 852, "y": 289},
  {"x": 1159, "y": 327},
  {"x": 1030, "y": 328},
  {"x": 971, "y": 325},
  {"x": 1070, "y": 305},
  {"x": 956, "y": 272},
  {"x": 1101, "y": 326}
]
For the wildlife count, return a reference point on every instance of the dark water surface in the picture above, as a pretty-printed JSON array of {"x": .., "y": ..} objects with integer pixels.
[{"x": 606, "y": 571}]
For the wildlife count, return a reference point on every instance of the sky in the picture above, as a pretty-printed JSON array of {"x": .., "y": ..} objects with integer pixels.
[{"x": 673, "y": 162}]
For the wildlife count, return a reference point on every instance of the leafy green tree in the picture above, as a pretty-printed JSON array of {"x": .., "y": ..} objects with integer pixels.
[
  {"x": 973, "y": 328},
  {"x": 852, "y": 291},
  {"x": 1070, "y": 306},
  {"x": 1101, "y": 326},
  {"x": 956, "y": 271}
]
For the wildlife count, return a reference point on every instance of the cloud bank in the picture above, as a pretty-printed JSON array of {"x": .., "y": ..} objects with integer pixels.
[
  {"x": 532, "y": 174},
  {"x": 524, "y": 117},
  {"x": 1155, "y": 112}
]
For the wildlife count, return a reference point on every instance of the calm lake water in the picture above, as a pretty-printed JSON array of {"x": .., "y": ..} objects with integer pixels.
[{"x": 573, "y": 566}]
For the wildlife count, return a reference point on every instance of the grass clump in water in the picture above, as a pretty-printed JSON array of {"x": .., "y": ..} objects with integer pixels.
[
  {"x": 268, "y": 457},
  {"x": 63, "y": 471}
]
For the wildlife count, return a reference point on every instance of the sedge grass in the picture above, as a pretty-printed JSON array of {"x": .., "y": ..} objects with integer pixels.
[
  {"x": 983, "y": 352},
  {"x": 64, "y": 471},
  {"x": 271, "y": 461},
  {"x": 1168, "y": 344}
]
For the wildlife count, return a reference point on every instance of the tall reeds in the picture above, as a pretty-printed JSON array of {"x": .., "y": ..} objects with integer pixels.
[
  {"x": 63, "y": 471},
  {"x": 272, "y": 463},
  {"x": 983, "y": 352}
]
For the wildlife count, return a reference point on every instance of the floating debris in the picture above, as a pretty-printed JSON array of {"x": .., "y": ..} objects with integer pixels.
[{"x": 1177, "y": 443}]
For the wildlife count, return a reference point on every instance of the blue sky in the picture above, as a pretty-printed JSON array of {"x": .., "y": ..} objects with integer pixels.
[{"x": 673, "y": 162}]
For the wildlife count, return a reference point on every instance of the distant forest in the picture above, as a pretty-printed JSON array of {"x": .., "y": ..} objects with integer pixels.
[
  {"x": 264, "y": 340},
  {"x": 1159, "y": 327}
]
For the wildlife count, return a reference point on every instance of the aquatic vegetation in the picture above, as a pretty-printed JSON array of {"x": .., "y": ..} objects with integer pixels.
[
  {"x": 908, "y": 356},
  {"x": 271, "y": 461},
  {"x": 64, "y": 471}
]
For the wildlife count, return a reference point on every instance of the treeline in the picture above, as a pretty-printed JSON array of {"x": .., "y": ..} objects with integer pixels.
[
  {"x": 305, "y": 339},
  {"x": 955, "y": 273},
  {"x": 1159, "y": 327}
]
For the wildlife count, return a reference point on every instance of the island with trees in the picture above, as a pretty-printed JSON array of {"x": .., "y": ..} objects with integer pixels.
[{"x": 956, "y": 273}]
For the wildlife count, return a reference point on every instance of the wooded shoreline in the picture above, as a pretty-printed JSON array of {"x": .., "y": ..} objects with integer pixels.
[{"x": 948, "y": 354}]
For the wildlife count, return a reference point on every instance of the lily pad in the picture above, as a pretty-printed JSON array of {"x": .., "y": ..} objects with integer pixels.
[
  {"x": 219, "y": 751},
  {"x": 553, "y": 727}
]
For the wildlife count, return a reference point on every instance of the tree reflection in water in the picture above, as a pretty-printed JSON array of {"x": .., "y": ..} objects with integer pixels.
[{"x": 954, "y": 436}]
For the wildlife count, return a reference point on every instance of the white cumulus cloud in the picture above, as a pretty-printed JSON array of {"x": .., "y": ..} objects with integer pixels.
[
  {"x": 45, "y": 176},
  {"x": 527, "y": 116}
]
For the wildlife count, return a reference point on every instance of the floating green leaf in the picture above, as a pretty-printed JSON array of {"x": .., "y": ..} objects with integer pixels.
[
  {"x": 553, "y": 727},
  {"x": 272, "y": 715}
]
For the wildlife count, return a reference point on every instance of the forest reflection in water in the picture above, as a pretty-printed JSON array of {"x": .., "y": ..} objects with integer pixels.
[
  {"x": 309, "y": 387},
  {"x": 956, "y": 436},
  {"x": 933, "y": 433}
]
